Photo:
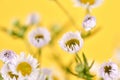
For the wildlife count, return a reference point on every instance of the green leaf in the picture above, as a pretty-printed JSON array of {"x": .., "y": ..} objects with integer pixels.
[
  {"x": 76, "y": 60},
  {"x": 85, "y": 60},
  {"x": 79, "y": 59},
  {"x": 12, "y": 33},
  {"x": 91, "y": 64}
]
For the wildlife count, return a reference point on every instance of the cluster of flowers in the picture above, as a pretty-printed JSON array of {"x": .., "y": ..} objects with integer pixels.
[{"x": 21, "y": 67}]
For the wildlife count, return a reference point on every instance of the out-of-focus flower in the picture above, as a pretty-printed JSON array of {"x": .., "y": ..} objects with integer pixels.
[
  {"x": 39, "y": 37},
  {"x": 32, "y": 19},
  {"x": 116, "y": 56},
  {"x": 109, "y": 71},
  {"x": 25, "y": 67},
  {"x": 88, "y": 3},
  {"x": 71, "y": 42},
  {"x": 45, "y": 74},
  {"x": 7, "y": 73},
  {"x": 8, "y": 56},
  {"x": 89, "y": 22}
]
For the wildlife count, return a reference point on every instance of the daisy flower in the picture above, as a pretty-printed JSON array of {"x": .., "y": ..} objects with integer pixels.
[
  {"x": 7, "y": 56},
  {"x": 32, "y": 19},
  {"x": 71, "y": 42},
  {"x": 7, "y": 73},
  {"x": 45, "y": 74},
  {"x": 89, "y": 22},
  {"x": 109, "y": 71},
  {"x": 25, "y": 67},
  {"x": 39, "y": 37},
  {"x": 88, "y": 3}
]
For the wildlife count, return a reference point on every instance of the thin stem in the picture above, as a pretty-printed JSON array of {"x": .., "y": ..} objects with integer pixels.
[
  {"x": 88, "y": 10},
  {"x": 73, "y": 74},
  {"x": 85, "y": 35},
  {"x": 66, "y": 12},
  {"x": 39, "y": 55},
  {"x": 28, "y": 46}
]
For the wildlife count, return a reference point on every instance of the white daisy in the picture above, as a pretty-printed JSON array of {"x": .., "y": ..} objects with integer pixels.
[
  {"x": 25, "y": 67},
  {"x": 39, "y": 37},
  {"x": 89, "y": 22},
  {"x": 109, "y": 71},
  {"x": 32, "y": 19},
  {"x": 71, "y": 42},
  {"x": 7, "y": 73},
  {"x": 45, "y": 74},
  {"x": 8, "y": 56},
  {"x": 88, "y": 3}
]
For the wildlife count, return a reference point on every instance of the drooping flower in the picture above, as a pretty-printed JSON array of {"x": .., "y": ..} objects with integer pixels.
[
  {"x": 7, "y": 56},
  {"x": 89, "y": 22},
  {"x": 109, "y": 71},
  {"x": 25, "y": 67},
  {"x": 39, "y": 37},
  {"x": 88, "y": 3},
  {"x": 32, "y": 19},
  {"x": 71, "y": 42}
]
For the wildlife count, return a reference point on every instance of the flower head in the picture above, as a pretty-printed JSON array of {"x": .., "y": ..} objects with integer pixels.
[
  {"x": 32, "y": 18},
  {"x": 87, "y": 3},
  {"x": 71, "y": 42},
  {"x": 39, "y": 37},
  {"x": 109, "y": 71},
  {"x": 7, "y": 56},
  {"x": 89, "y": 22},
  {"x": 7, "y": 73},
  {"x": 45, "y": 74},
  {"x": 25, "y": 67}
]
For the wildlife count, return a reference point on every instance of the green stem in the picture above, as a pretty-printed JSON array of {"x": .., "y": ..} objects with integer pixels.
[
  {"x": 87, "y": 10},
  {"x": 85, "y": 35},
  {"x": 39, "y": 55},
  {"x": 28, "y": 46}
]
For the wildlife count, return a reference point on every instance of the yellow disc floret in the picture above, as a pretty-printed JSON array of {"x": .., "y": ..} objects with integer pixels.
[
  {"x": 25, "y": 68},
  {"x": 91, "y": 2}
]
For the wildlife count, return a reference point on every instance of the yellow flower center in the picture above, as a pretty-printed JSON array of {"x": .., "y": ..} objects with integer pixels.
[
  {"x": 12, "y": 75},
  {"x": 25, "y": 68},
  {"x": 91, "y": 2},
  {"x": 71, "y": 43}
]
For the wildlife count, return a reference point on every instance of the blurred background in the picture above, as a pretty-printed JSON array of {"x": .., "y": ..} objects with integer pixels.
[{"x": 99, "y": 47}]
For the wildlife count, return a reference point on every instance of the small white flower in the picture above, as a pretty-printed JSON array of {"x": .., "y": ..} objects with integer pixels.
[
  {"x": 39, "y": 37},
  {"x": 45, "y": 74},
  {"x": 32, "y": 19},
  {"x": 7, "y": 73},
  {"x": 88, "y": 3},
  {"x": 7, "y": 56},
  {"x": 89, "y": 22},
  {"x": 109, "y": 71},
  {"x": 71, "y": 42},
  {"x": 25, "y": 67}
]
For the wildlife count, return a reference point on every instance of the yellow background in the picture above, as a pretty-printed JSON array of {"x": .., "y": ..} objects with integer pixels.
[{"x": 99, "y": 47}]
